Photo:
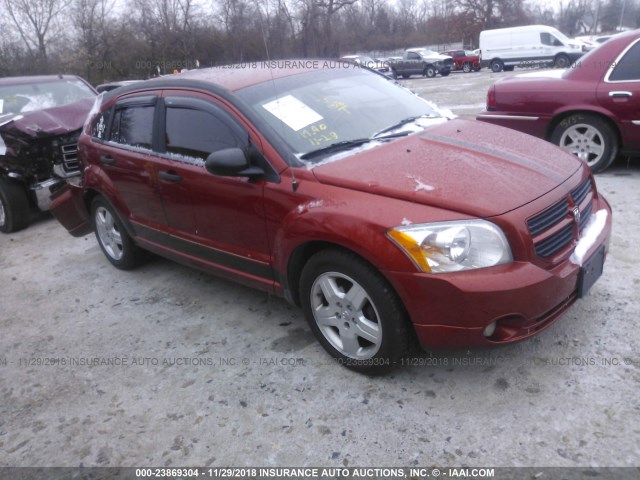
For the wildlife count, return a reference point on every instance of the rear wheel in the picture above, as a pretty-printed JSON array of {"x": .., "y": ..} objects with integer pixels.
[
  {"x": 589, "y": 138},
  {"x": 14, "y": 207},
  {"x": 115, "y": 242},
  {"x": 562, "y": 61},
  {"x": 354, "y": 313},
  {"x": 497, "y": 66}
]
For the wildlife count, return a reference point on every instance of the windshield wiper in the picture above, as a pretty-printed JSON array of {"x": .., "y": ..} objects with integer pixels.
[
  {"x": 401, "y": 123},
  {"x": 336, "y": 147}
]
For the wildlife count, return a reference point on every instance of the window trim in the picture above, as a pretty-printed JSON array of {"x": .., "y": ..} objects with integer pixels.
[
  {"x": 614, "y": 64},
  {"x": 191, "y": 103},
  {"x": 133, "y": 102}
]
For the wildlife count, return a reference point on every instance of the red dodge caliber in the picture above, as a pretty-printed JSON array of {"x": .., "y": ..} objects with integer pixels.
[{"x": 348, "y": 195}]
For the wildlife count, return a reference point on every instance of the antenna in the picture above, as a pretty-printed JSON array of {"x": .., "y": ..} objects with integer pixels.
[{"x": 294, "y": 181}]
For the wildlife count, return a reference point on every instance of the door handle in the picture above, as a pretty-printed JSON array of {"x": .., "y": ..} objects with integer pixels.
[
  {"x": 107, "y": 160},
  {"x": 172, "y": 177},
  {"x": 620, "y": 94}
]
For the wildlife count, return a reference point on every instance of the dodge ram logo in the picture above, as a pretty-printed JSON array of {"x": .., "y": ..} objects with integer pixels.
[{"x": 576, "y": 214}]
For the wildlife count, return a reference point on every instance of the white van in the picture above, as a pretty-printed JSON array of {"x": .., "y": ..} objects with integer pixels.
[{"x": 532, "y": 45}]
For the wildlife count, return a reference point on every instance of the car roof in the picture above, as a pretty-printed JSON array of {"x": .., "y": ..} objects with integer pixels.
[
  {"x": 26, "y": 80},
  {"x": 238, "y": 76}
]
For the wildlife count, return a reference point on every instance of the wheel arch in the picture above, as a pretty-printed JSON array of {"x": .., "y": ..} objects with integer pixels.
[
  {"x": 603, "y": 115},
  {"x": 301, "y": 255}
]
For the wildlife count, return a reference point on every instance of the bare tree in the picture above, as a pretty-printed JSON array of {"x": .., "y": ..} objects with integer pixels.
[
  {"x": 34, "y": 21},
  {"x": 91, "y": 20}
]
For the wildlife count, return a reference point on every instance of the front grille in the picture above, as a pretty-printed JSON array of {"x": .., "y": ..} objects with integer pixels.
[
  {"x": 556, "y": 228},
  {"x": 70, "y": 157}
]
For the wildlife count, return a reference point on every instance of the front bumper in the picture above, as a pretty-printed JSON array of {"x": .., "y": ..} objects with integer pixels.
[
  {"x": 69, "y": 208},
  {"x": 452, "y": 310}
]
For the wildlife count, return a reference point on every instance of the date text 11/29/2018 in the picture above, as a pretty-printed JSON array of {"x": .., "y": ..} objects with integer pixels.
[{"x": 320, "y": 473}]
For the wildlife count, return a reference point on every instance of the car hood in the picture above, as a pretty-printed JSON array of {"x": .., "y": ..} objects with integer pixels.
[
  {"x": 49, "y": 122},
  {"x": 469, "y": 167},
  {"x": 436, "y": 57}
]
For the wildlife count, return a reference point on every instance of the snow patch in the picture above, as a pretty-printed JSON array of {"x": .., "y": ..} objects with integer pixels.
[
  {"x": 310, "y": 205},
  {"x": 590, "y": 234},
  {"x": 557, "y": 73},
  {"x": 420, "y": 185},
  {"x": 406, "y": 222}
]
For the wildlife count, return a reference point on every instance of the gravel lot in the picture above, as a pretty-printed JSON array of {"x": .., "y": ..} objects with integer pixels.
[{"x": 205, "y": 372}]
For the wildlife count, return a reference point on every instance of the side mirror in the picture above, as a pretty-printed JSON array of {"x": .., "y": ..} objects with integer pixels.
[{"x": 231, "y": 162}]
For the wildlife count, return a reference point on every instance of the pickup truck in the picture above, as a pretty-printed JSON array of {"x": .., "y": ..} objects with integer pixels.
[
  {"x": 40, "y": 122},
  {"x": 463, "y": 60},
  {"x": 421, "y": 61}
]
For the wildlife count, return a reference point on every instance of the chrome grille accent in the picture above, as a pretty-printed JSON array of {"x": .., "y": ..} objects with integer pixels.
[{"x": 70, "y": 157}]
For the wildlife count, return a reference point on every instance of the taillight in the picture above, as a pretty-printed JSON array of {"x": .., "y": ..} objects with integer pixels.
[{"x": 491, "y": 98}]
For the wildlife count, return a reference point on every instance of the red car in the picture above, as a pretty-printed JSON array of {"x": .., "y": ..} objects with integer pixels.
[
  {"x": 591, "y": 109},
  {"x": 348, "y": 195}
]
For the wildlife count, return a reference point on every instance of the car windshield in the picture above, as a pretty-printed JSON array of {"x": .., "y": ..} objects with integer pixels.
[
  {"x": 315, "y": 110},
  {"x": 28, "y": 97}
]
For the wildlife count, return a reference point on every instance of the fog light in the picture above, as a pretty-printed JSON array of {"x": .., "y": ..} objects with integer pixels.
[{"x": 489, "y": 329}]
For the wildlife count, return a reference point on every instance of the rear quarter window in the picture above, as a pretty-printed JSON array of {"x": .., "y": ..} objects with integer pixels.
[{"x": 628, "y": 68}]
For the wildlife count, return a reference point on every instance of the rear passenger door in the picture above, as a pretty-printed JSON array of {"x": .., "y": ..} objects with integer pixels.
[
  {"x": 126, "y": 157},
  {"x": 620, "y": 93}
]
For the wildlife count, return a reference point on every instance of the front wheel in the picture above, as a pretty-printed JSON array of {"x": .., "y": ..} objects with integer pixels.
[
  {"x": 429, "y": 71},
  {"x": 353, "y": 312},
  {"x": 114, "y": 241},
  {"x": 14, "y": 207},
  {"x": 466, "y": 67},
  {"x": 589, "y": 138},
  {"x": 497, "y": 66}
]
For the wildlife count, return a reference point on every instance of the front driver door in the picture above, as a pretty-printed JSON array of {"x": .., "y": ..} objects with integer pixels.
[{"x": 220, "y": 220}]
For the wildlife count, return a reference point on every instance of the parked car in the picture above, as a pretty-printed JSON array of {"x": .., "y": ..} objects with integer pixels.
[
  {"x": 464, "y": 60},
  {"x": 527, "y": 46},
  {"x": 421, "y": 61},
  {"x": 382, "y": 67},
  {"x": 346, "y": 194},
  {"x": 40, "y": 120},
  {"x": 591, "y": 109}
]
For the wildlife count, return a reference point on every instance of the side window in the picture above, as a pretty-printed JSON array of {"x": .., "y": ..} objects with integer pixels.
[
  {"x": 196, "y": 133},
  {"x": 460, "y": 53},
  {"x": 413, "y": 56},
  {"x": 133, "y": 126},
  {"x": 628, "y": 68},
  {"x": 548, "y": 39}
]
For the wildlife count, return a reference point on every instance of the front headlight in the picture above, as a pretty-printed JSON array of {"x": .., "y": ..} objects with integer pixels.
[{"x": 453, "y": 246}]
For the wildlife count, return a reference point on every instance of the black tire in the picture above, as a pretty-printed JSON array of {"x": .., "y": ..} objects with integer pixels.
[
  {"x": 429, "y": 71},
  {"x": 405, "y": 75},
  {"x": 466, "y": 67},
  {"x": 497, "y": 66},
  {"x": 508, "y": 68},
  {"x": 394, "y": 74},
  {"x": 114, "y": 241},
  {"x": 377, "y": 313},
  {"x": 596, "y": 143},
  {"x": 445, "y": 73},
  {"x": 562, "y": 61},
  {"x": 14, "y": 207}
]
